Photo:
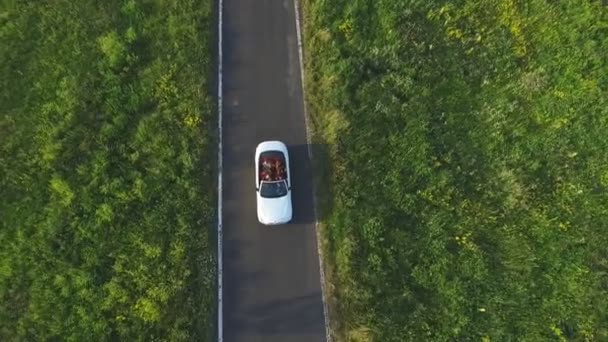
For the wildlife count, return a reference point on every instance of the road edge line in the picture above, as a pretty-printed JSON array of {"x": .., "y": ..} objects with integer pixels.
[
  {"x": 296, "y": 5},
  {"x": 220, "y": 152}
]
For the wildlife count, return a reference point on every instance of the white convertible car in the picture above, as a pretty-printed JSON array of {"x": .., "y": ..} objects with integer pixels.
[{"x": 273, "y": 183}]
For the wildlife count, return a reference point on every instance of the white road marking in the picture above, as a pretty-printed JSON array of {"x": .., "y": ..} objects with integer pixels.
[
  {"x": 220, "y": 100},
  {"x": 309, "y": 143}
]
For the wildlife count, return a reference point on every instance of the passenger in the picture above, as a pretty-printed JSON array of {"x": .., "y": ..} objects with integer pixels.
[
  {"x": 274, "y": 173},
  {"x": 278, "y": 169}
]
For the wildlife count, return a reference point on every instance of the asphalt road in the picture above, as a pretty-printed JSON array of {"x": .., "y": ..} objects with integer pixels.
[{"x": 272, "y": 290}]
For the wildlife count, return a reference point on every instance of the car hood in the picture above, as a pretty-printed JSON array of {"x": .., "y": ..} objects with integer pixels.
[{"x": 274, "y": 210}]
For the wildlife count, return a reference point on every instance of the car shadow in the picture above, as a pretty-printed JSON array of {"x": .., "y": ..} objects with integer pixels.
[{"x": 302, "y": 184}]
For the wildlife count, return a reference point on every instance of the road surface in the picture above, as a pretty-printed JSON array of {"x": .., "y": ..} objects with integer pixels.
[{"x": 271, "y": 286}]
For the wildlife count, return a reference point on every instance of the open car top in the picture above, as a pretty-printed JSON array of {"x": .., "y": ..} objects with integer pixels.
[{"x": 272, "y": 167}]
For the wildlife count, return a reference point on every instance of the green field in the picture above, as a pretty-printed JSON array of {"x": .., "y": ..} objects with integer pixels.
[
  {"x": 106, "y": 171},
  {"x": 464, "y": 192}
]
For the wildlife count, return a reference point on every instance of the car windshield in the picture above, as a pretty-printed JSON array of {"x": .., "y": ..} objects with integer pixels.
[{"x": 273, "y": 189}]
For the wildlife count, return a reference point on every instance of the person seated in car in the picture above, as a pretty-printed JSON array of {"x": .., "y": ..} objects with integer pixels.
[{"x": 278, "y": 169}]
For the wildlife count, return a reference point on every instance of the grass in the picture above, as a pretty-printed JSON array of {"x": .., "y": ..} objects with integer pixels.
[
  {"x": 107, "y": 160},
  {"x": 462, "y": 181}
]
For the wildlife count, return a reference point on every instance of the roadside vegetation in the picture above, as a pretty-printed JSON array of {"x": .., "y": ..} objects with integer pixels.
[
  {"x": 106, "y": 171},
  {"x": 465, "y": 181}
]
